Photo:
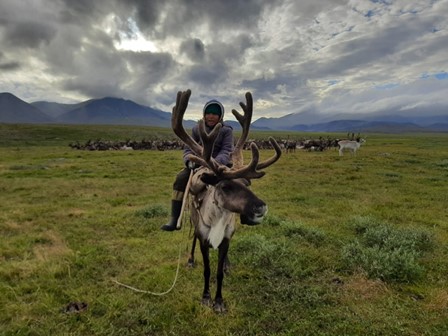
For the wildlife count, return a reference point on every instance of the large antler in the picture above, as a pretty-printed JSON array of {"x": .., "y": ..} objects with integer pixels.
[
  {"x": 177, "y": 118},
  {"x": 245, "y": 121},
  {"x": 209, "y": 139},
  {"x": 274, "y": 158},
  {"x": 203, "y": 154}
]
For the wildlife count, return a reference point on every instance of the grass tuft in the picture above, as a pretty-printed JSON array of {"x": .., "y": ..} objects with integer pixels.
[
  {"x": 152, "y": 211},
  {"x": 387, "y": 253},
  {"x": 312, "y": 235}
]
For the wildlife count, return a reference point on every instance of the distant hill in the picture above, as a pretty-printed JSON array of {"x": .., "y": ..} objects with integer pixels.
[
  {"x": 114, "y": 111},
  {"x": 104, "y": 111},
  {"x": 360, "y": 126},
  {"x": 119, "y": 111},
  {"x": 15, "y": 110},
  {"x": 410, "y": 120},
  {"x": 54, "y": 110}
]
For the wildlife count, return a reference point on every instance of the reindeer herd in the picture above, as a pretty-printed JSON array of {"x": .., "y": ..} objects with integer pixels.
[
  {"x": 104, "y": 145},
  {"x": 350, "y": 143}
]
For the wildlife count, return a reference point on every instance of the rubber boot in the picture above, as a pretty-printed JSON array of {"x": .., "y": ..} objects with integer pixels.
[{"x": 176, "y": 207}]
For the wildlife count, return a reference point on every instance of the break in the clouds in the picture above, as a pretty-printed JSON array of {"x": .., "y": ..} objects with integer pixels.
[{"x": 331, "y": 56}]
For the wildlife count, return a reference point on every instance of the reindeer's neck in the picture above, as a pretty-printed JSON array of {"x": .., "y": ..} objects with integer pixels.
[{"x": 214, "y": 222}]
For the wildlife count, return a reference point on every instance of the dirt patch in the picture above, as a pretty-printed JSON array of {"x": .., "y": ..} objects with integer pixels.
[
  {"x": 49, "y": 246},
  {"x": 438, "y": 300},
  {"x": 360, "y": 288}
]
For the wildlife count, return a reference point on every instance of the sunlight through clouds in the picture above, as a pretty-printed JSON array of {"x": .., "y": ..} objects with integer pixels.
[{"x": 132, "y": 39}]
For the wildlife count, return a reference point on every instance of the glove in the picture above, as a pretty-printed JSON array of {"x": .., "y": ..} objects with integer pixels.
[{"x": 191, "y": 165}]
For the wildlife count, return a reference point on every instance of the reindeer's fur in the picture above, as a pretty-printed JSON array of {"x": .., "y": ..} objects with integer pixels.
[
  {"x": 214, "y": 207},
  {"x": 212, "y": 223}
]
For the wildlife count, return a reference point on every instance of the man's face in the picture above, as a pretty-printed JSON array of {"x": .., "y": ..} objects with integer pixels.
[{"x": 211, "y": 119}]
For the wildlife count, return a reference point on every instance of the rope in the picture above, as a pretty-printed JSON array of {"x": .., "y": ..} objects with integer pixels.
[
  {"x": 182, "y": 219},
  {"x": 184, "y": 201},
  {"x": 154, "y": 293}
]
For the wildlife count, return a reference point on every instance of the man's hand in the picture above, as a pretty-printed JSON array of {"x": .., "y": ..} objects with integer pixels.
[{"x": 191, "y": 165}]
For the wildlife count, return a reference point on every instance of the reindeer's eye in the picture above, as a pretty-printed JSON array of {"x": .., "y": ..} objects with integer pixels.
[{"x": 226, "y": 187}]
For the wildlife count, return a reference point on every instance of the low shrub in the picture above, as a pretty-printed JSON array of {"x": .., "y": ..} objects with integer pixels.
[
  {"x": 152, "y": 211},
  {"x": 257, "y": 251},
  {"x": 385, "y": 252},
  {"x": 311, "y": 235}
]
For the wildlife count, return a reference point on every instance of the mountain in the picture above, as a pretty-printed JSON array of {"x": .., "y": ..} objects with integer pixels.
[
  {"x": 105, "y": 111},
  {"x": 434, "y": 119},
  {"x": 15, "y": 110},
  {"x": 118, "y": 111},
  {"x": 114, "y": 111},
  {"x": 285, "y": 122},
  {"x": 54, "y": 110}
]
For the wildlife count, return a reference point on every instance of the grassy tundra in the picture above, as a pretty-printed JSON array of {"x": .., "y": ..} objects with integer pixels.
[{"x": 353, "y": 245}]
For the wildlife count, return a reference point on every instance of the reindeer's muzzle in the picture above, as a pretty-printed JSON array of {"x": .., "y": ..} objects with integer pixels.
[{"x": 255, "y": 215}]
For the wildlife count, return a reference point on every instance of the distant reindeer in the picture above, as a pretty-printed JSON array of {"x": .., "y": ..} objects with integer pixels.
[
  {"x": 290, "y": 146},
  {"x": 218, "y": 192},
  {"x": 351, "y": 145}
]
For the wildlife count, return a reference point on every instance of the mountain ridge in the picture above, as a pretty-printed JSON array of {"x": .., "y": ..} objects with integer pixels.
[{"x": 120, "y": 111}]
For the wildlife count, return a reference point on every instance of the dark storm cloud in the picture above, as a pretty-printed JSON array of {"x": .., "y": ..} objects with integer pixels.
[
  {"x": 194, "y": 49},
  {"x": 29, "y": 34},
  {"x": 162, "y": 18},
  {"x": 147, "y": 71},
  {"x": 214, "y": 62},
  {"x": 9, "y": 66},
  {"x": 81, "y": 12}
]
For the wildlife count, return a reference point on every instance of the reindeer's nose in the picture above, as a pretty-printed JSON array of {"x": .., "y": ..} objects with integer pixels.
[
  {"x": 260, "y": 210},
  {"x": 254, "y": 214}
]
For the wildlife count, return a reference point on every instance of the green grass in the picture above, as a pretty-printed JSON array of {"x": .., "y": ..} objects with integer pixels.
[{"x": 351, "y": 246}]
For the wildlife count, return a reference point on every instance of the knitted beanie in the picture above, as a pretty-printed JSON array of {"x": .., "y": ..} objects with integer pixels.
[{"x": 214, "y": 107}]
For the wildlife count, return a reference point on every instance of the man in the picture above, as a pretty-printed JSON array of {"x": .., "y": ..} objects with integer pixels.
[{"x": 213, "y": 113}]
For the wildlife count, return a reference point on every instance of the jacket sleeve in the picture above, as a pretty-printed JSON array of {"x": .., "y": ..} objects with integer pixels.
[
  {"x": 195, "y": 136},
  {"x": 224, "y": 154}
]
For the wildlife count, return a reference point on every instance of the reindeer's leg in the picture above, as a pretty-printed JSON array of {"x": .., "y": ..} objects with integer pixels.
[
  {"x": 227, "y": 265},
  {"x": 219, "y": 306},
  {"x": 206, "y": 297},
  {"x": 193, "y": 247}
]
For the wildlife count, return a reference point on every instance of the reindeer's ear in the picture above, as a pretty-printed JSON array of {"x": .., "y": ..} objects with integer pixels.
[{"x": 209, "y": 179}]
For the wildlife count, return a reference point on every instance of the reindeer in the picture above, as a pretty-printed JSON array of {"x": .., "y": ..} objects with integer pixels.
[
  {"x": 351, "y": 145},
  {"x": 290, "y": 146},
  {"x": 218, "y": 192}
]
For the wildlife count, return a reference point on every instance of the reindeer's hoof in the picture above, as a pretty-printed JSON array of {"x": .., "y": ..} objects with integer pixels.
[
  {"x": 191, "y": 263},
  {"x": 206, "y": 300},
  {"x": 219, "y": 307}
]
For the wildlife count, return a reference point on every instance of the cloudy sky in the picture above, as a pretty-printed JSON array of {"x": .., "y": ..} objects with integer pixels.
[{"x": 322, "y": 55}]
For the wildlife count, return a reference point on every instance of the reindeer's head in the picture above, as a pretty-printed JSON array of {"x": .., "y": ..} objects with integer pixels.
[{"x": 231, "y": 185}]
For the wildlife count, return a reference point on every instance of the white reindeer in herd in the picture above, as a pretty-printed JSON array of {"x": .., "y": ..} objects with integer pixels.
[
  {"x": 351, "y": 145},
  {"x": 219, "y": 192}
]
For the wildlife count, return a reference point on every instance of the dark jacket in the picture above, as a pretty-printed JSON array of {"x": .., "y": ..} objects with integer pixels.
[{"x": 223, "y": 144}]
